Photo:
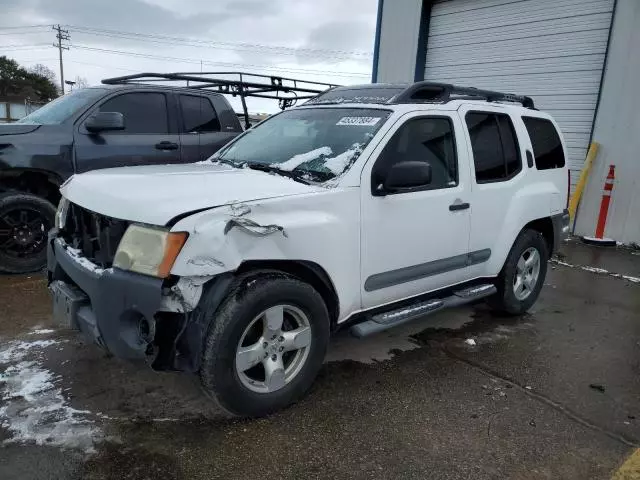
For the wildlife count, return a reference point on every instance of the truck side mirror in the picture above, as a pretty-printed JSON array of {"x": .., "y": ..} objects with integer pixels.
[
  {"x": 405, "y": 175},
  {"x": 105, "y": 121}
]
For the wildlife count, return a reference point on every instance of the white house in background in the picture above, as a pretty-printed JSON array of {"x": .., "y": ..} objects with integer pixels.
[
  {"x": 577, "y": 59},
  {"x": 13, "y": 108}
]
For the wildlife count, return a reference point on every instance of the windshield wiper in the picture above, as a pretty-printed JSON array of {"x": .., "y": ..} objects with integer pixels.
[
  {"x": 226, "y": 162},
  {"x": 263, "y": 167}
]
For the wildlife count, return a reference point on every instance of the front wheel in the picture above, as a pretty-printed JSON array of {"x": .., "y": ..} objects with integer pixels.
[
  {"x": 265, "y": 345},
  {"x": 523, "y": 274}
]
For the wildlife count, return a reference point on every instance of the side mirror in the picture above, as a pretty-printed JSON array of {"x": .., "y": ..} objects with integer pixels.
[
  {"x": 105, "y": 121},
  {"x": 405, "y": 175}
]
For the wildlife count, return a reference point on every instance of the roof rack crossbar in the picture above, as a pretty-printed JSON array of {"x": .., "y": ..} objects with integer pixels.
[
  {"x": 445, "y": 92},
  {"x": 274, "y": 87}
]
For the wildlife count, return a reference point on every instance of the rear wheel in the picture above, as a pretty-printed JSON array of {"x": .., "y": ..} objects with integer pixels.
[
  {"x": 265, "y": 345},
  {"x": 25, "y": 221},
  {"x": 523, "y": 274}
]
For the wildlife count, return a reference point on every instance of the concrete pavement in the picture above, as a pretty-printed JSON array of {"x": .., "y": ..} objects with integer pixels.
[{"x": 553, "y": 394}]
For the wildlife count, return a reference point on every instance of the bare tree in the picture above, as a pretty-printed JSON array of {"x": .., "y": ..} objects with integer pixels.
[
  {"x": 81, "y": 82},
  {"x": 43, "y": 71}
]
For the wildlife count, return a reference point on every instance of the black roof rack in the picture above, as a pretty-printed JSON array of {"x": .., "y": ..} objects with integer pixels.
[
  {"x": 286, "y": 90},
  {"x": 444, "y": 92},
  {"x": 420, "y": 92}
]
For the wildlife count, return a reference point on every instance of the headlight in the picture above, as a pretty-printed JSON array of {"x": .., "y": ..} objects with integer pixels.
[
  {"x": 61, "y": 213},
  {"x": 148, "y": 250}
]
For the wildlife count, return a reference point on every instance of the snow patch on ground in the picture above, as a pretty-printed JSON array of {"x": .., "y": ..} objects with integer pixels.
[
  {"x": 497, "y": 334},
  {"x": 16, "y": 351},
  {"x": 600, "y": 271},
  {"x": 42, "y": 331},
  {"x": 594, "y": 269},
  {"x": 298, "y": 160},
  {"x": 32, "y": 408}
]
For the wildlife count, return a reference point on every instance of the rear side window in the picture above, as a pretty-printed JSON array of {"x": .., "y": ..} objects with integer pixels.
[
  {"x": 547, "y": 148},
  {"x": 496, "y": 155},
  {"x": 198, "y": 115},
  {"x": 143, "y": 112}
]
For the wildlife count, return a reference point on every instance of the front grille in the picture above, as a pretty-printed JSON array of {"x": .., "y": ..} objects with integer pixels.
[{"x": 96, "y": 236}]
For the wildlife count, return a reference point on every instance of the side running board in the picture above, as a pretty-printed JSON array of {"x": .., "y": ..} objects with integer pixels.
[{"x": 392, "y": 318}]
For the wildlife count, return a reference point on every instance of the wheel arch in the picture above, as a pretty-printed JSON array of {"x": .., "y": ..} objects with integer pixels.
[
  {"x": 546, "y": 228},
  {"x": 307, "y": 271},
  {"x": 42, "y": 183}
]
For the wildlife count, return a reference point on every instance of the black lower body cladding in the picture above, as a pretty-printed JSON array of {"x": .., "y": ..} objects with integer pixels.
[
  {"x": 115, "y": 309},
  {"x": 561, "y": 228}
]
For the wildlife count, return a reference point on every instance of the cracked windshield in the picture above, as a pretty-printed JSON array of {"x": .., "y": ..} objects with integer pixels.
[
  {"x": 320, "y": 143},
  {"x": 319, "y": 240}
]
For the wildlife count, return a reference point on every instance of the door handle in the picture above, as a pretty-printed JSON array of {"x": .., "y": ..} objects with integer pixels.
[
  {"x": 529, "y": 159},
  {"x": 458, "y": 206},
  {"x": 166, "y": 145}
]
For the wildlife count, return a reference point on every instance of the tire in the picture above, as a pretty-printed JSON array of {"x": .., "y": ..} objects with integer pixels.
[
  {"x": 507, "y": 300},
  {"x": 225, "y": 378},
  {"x": 25, "y": 221}
]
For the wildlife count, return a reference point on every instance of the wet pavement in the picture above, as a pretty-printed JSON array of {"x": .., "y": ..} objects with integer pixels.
[{"x": 554, "y": 394}]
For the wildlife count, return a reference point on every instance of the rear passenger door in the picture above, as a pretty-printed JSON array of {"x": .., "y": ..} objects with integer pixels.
[
  {"x": 148, "y": 137},
  {"x": 497, "y": 174},
  {"x": 200, "y": 130}
]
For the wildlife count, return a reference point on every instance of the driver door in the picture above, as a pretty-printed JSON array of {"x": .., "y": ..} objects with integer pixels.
[
  {"x": 149, "y": 136},
  {"x": 416, "y": 240}
]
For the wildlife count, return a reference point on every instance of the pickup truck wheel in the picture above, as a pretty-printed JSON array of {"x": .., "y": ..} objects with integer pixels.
[
  {"x": 523, "y": 274},
  {"x": 265, "y": 344},
  {"x": 25, "y": 221}
]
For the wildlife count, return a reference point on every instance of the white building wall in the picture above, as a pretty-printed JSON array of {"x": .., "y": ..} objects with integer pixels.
[
  {"x": 398, "y": 44},
  {"x": 550, "y": 50},
  {"x": 617, "y": 130},
  {"x": 573, "y": 35}
]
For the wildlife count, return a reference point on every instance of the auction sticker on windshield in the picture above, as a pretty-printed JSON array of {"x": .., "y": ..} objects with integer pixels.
[{"x": 359, "y": 121}]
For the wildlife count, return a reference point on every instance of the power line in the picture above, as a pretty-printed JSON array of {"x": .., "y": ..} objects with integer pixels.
[
  {"x": 42, "y": 25},
  {"x": 157, "y": 38},
  {"x": 207, "y": 43},
  {"x": 23, "y": 48},
  {"x": 106, "y": 67},
  {"x": 22, "y": 33},
  {"x": 37, "y": 60},
  {"x": 19, "y": 45},
  {"x": 225, "y": 64}
]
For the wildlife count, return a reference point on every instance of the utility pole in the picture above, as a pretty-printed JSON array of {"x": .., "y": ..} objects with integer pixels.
[{"x": 61, "y": 36}]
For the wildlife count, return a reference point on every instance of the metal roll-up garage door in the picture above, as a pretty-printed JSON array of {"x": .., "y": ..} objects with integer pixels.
[{"x": 551, "y": 50}]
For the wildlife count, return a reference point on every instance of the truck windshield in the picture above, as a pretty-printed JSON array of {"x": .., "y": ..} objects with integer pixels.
[
  {"x": 60, "y": 109},
  {"x": 319, "y": 143}
]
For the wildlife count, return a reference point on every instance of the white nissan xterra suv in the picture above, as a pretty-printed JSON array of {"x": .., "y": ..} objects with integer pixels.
[{"x": 369, "y": 206}]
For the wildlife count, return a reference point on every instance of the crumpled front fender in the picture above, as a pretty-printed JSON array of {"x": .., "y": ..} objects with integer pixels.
[
  {"x": 322, "y": 228},
  {"x": 220, "y": 239}
]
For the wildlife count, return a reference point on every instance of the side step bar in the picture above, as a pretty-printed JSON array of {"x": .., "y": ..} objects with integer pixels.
[{"x": 383, "y": 321}]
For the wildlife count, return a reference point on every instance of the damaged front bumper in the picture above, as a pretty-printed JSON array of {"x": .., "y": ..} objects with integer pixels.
[
  {"x": 112, "y": 307},
  {"x": 133, "y": 316}
]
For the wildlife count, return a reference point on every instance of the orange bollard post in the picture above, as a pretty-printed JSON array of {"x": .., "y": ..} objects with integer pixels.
[{"x": 599, "y": 239}]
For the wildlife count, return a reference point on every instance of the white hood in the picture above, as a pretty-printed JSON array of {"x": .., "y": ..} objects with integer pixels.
[{"x": 156, "y": 194}]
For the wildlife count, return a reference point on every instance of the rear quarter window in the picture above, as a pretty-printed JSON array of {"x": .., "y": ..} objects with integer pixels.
[
  {"x": 547, "y": 147},
  {"x": 494, "y": 143}
]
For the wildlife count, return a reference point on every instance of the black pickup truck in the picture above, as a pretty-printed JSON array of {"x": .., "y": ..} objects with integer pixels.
[
  {"x": 129, "y": 120},
  {"x": 92, "y": 128}
]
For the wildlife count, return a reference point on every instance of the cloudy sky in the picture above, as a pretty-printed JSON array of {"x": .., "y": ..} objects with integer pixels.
[{"x": 328, "y": 40}]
